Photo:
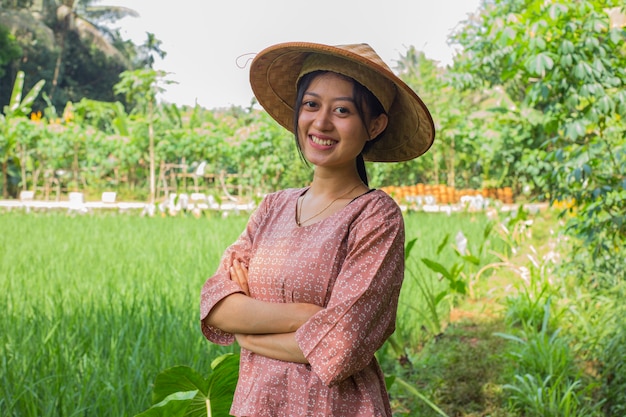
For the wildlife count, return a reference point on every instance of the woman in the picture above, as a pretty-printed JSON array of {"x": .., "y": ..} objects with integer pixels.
[{"x": 310, "y": 288}]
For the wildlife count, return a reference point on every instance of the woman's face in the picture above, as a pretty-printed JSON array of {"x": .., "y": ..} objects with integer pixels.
[{"x": 330, "y": 129}]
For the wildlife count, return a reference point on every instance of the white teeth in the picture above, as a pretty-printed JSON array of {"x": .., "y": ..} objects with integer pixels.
[{"x": 322, "y": 142}]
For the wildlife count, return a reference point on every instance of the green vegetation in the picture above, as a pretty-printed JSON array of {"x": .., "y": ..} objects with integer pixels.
[
  {"x": 70, "y": 44},
  {"x": 94, "y": 307},
  {"x": 97, "y": 305}
]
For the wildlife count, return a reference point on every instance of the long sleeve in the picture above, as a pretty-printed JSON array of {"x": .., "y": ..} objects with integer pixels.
[{"x": 342, "y": 339}]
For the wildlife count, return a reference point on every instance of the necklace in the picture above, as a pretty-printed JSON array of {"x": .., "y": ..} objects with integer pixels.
[{"x": 300, "y": 222}]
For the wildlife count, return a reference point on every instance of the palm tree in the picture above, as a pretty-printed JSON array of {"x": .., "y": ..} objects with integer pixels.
[
  {"x": 47, "y": 30},
  {"x": 86, "y": 21}
]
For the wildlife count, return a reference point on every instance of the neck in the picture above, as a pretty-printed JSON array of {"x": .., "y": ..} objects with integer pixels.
[{"x": 332, "y": 184}]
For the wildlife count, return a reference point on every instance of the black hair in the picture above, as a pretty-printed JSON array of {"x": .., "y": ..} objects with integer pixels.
[{"x": 364, "y": 101}]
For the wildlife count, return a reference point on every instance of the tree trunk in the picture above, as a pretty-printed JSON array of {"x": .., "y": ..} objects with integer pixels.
[
  {"x": 22, "y": 152},
  {"x": 152, "y": 168},
  {"x": 64, "y": 12},
  {"x": 435, "y": 154},
  {"x": 76, "y": 168},
  {"x": 451, "y": 170},
  {"x": 5, "y": 177}
]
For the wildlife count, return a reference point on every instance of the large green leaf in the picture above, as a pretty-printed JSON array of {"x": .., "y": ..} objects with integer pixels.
[
  {"x": 178, "y": 379},
  {"x": 182, "y": 391},
  {"x": 174, "y": 405},
  {"x": 18, "y": 106},
  {"x": 16, "y": 94},
  {"x": 222, "y": 383}
]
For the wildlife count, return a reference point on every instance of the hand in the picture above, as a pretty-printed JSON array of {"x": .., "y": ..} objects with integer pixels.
[
  {"x": 239, "y": 274},
  {"x": 281, "y": 346}
]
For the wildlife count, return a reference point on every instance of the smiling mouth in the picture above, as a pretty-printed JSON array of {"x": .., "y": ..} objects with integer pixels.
[{"x": 319, "y": 141}]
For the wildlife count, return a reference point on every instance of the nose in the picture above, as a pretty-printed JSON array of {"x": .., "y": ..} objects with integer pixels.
[{"x": 322, "y": 120}]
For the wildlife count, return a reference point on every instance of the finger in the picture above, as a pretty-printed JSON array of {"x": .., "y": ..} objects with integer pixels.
[
  {"x": 235, "y": 275},
  {"x": 240, "y": 274},
  {"x": 243, "y": 277},
  {"x": 243, "y": 271}
]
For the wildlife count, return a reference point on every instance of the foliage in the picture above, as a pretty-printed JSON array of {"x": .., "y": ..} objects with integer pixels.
[
  {"x": 141, "y": 88},
  {"x": 459, "y": 272},
  {"x": 9, "y": 48},
  {"x": 547, "y": 383},
  {"x": 181, "y": 391},
  {"x": 613, "y": 371},
  {"x": 595, "y": 319},
  {"x": 99, "y": 146},
  {"x": 460, "y": 372},
  {"x": 429, "y": 316},
  {"x": 69, "y": 44},
  {"x": 438, "y": 276},
  {"x": 11, "y": 126},
  {"x": 564, "y": 62},
  {"x": 95, "y": 306},
  {"x": 267, "y": 155},
  {"x": 558, "y": 331}
]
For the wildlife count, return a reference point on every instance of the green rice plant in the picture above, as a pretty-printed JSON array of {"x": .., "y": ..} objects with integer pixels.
[{"x": 95, "y": 306}]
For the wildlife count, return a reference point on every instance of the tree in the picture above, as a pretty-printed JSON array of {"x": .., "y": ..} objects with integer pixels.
[
  {"x": 150, "y": 48},
  {"x": 567, "y": 62},
  {"x": 81, "y": 19},
  {"x": 68, "y": 43},
  {"x": 424, "y": 77},
  {"x": 140, "y": 88}
]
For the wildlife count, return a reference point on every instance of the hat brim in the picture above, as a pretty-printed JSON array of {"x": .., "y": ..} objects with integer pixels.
[{"x": 273, "y": 76}]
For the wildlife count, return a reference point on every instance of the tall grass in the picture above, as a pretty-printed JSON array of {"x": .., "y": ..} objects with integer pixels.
[{"x": 95, "y": 306}]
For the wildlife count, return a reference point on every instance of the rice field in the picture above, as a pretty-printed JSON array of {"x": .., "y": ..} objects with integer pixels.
[{"x": 95, "y": 306}]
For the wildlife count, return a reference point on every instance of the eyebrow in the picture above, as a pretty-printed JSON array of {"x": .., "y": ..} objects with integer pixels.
[{"x": 346, "y": 98}]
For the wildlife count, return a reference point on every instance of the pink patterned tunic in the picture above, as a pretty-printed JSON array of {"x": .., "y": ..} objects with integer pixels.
[{"x": 351, "y": 263}]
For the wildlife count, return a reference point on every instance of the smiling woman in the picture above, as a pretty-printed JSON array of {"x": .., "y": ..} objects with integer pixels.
[
  {"x": 310, "y": 289},
  {"x": 329, "y": 102}
]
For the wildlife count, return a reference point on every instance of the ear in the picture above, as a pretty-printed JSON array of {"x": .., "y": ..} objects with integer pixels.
[{"x": 377, "y": 125}]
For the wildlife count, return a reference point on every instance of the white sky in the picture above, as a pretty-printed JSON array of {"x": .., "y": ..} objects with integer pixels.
[{"x": 204, "y": 38}]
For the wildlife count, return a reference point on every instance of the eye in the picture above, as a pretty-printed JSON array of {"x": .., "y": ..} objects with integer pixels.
[
  {"x": 342, "y": 110},
  {"x": 309, "y": 104}
]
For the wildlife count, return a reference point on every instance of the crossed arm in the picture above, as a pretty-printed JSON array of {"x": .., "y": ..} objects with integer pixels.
[{"x": 267, "y": 329}]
